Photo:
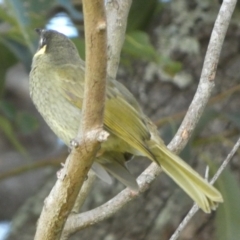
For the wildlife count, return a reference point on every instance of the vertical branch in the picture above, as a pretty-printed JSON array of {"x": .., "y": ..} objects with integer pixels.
[
  {"x": 96, "y": 63},
  {"x": 117, "y": 14},
  {"x": 61, "y": 200}
]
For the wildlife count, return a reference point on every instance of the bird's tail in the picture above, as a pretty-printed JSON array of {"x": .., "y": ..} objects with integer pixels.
[{"x": 204, "y": 194}]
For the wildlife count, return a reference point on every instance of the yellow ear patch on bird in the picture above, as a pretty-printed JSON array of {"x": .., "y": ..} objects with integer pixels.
[{"x": 41, "y": 50}]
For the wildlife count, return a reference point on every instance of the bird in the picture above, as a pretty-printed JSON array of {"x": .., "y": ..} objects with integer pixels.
[{"x": 56, "y": 83}]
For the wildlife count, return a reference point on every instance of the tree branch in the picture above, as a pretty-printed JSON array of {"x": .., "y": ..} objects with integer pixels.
[
  {"x": 60, "y": 202},
  {"x": 117, "y": 14},
  {"x": 96, "y": 65},
  {"x": 83, "y": 194},
  {"x": 206, "y": 83}
]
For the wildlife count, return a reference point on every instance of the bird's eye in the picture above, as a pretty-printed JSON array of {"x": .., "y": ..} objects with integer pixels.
[{"x": 42, "y": 42}]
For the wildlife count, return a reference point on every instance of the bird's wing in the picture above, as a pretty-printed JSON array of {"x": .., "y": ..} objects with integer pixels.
[
  {"x": 121, "y": 118},
  {"x": 71, "y": 80},
  {"x": 125, "y": 121}
]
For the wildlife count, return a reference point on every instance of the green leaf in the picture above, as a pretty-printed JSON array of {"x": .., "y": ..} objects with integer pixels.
[
  {"x": 19, "y": 50},
  {"x": 23, "y": 17},
  {"x": 141, "y": 12},
  {"x": 6, "y": 128},
  {"x": 138, "y": 45},
  {"x": 228, "y": 213},
  {"x": 18, "y": 10},
  {"x": 172, "y": 67},
  {"x": 5, "y": 16}
]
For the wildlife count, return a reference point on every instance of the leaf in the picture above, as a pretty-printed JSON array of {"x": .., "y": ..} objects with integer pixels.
[
  {"x": 18, "y": 10},
  {"x": 145, "y": 9},
  {"x": 5, "y": 17},
  {"x": 172, "y": 67},
  {"x": 19, "y": 50},
  {"x": 138, "y": 45},
  {"x": 6, "y": 128},
  {"x": 228, "y": 214},
  {"x": 23, "y": 17}
]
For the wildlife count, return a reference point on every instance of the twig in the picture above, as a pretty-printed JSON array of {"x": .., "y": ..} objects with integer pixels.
[
  {"x": 185, "y": 221},
  {"x": 206, "y": 83},
  {"x": 196, "y": 108},
  {"x": 225, "y": 162},
  {"x": 60, "y": 202},
  {"x": 195, "y": 208},
  {"x": 49, "y": 162},
  {"x": 86, "y": 188}
]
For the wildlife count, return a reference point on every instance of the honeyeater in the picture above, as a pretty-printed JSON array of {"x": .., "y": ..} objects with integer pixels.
[{"x": 56, "y": 88}]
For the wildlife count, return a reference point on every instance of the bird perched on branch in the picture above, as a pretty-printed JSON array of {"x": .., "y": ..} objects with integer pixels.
[{"x": 56, "y": 88}]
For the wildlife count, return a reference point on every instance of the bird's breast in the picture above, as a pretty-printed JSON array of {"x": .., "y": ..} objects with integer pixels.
[{"x": 61, "y": 116}]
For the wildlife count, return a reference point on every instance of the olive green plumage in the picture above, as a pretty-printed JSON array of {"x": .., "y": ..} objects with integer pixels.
[{"x": 56, "y": 88}]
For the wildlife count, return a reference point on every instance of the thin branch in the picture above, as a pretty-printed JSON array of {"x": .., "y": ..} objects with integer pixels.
[
  {"x": 86, "y": 188},
  {"x": 49, "y": 162},
  {"x": 225, "y": 162},
  {"x": 195, "y": 110},
  {"x": 83, "y": 220},
  {"x": 185, "y": 221},
  {"x": 206, "y": 83},
  {"x": 195, "y": 208},
  {"x": 117, "y": 14},
  {"x": 61, "y": 200}
]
